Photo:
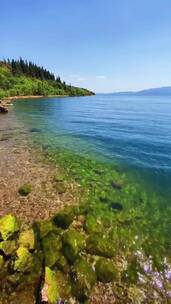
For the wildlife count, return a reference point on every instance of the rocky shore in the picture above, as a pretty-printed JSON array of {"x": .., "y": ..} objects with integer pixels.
[{"x": 73, "y": 230}]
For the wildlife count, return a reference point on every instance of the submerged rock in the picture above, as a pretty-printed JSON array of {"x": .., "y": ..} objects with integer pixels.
[
  {"x": 8, "y": 247},
  {"x": 47, "y": 226},
  {"x": 73, "y": 243},
  {"x": 25, "y": 189},
  {"x": 116, "y": 185},
  {"x": 27, "y": 239},
  {"x": 64, "y": 218},
  {"x": 8, "y": 226},
  {"x": 51, "y": 247},
  {"x": 84, "y": 279},
  {"x": 105, "y": 270},
  {"x": 100, "y": 245},
  {"x": 3, "y": 109},
  {"x": 93, "y": 224},
  {"x": 116, "y": 206},
  {"x": 23, "y": 261},
  {"x": 50, "y": 292}
]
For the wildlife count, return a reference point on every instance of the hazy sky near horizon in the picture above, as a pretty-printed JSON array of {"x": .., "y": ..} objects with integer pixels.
[{"x": 104, "y": 45}]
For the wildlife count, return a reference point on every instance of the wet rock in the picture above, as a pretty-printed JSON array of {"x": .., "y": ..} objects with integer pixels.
[
  {"x": 24, "y": 260},
  {"x": 27, "y": 239},
  {"x": 105, "y": 270},
  {"x": 93, "y": 224},
  {"x": 62, "y": 264},
  {"x": 73, "y": 243},
  {"x": 3, "y": 109},
  {"x": 50, "y": 292},
  {"x": 116, "y": 185},
  {"x": 100, "y": 245},
  {"x": 51, "y": 247},
  {"x": 64, "y": 218},
  {"x": 8, "y": 226},
  {"x": 25, "y": 189},
  {"x": 47, "y": 226},
  {"x": 84, "y": 279},
  {"x": 8, "y": 247},
  {"x": 116, "y": 206},
  {"x": 35, "y": 130}
]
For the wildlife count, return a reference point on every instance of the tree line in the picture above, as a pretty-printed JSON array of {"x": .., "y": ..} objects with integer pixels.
[{"x": 28, "y": 68}]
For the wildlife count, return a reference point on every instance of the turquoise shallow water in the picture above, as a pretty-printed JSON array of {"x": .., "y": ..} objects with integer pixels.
[{"x": 134, "y": 132}]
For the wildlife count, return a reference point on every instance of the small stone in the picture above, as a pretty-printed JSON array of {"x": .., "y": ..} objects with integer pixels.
[
  {"x": 116, "y": 185},
  {"x": 8, "y": 226},
  {"x": 25, "y": 190}
]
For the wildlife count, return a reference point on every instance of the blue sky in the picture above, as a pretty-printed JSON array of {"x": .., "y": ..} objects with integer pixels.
[{"x": 104, "y": 45}]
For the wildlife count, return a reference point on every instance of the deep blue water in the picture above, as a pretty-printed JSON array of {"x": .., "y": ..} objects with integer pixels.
[{"x": 135, "y": 132}]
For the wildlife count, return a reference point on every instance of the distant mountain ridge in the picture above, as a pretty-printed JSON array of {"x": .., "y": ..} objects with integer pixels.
[{"x": 162, "y": 91}]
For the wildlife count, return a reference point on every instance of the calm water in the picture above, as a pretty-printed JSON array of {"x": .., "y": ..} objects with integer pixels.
[{"x": 135, "y": 132}]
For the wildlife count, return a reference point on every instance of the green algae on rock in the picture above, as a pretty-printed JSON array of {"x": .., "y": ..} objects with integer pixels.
[
  {"x": 84, "y": 279},
  {"x": 64, "y": 218},
  {"x": 47, "y": 226},
  {"x": 100, "y": 244},
  {"x": 105, "y": 270},
  {"x": 51, "y": 247},
  {"x": 50, "y": 292},
  {"x": 8, "y": 247},
  {"x": 27, "y": 239},
  {"x": 25, "y": 189},
  {"x": 9, "y": 225},
  {"x": 23, "y": 261},
  {"x": 1, "y": 262},
  {"x": 73, "y": 242}
]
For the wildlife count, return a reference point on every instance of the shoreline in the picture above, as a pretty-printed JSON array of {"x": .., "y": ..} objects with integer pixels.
[{"x": 101, "y": 236}]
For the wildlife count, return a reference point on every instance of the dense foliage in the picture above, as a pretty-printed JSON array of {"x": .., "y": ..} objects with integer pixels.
[{"x": 22, "y": 78}]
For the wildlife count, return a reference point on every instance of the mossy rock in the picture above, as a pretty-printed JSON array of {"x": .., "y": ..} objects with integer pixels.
[
  {"x": 64, "y": 218},
  {"x": 73, "y": 243},
  {"x": 61, "y": 187},
  {"x": 93, "y": 224},
  {"x": 24, "y": 260},
  {"x": 51, "y": 247},
  {"x": 8, "y": 247},
  {"x": 62, "y": 264},
  {"x": 47, "y": 226},
  {"x": 105, "y": 270},
  {"x": 27, "y": 239},
  {"x": 100, "y": 245},
  {"x": 50, "y": 289},
  {"x": 84, "y": 279},
  {"x": 59, "y": 178},
  {"x": 8, "y": 226},
  {"x": 64, "y": 286},
  {"x": 25, "y": 189}
]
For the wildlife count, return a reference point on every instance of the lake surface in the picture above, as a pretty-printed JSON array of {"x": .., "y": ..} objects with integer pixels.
[{"x": 134, "y": 132}]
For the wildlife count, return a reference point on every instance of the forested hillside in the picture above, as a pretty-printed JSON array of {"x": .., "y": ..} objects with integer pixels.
[{"x": 23, "y": 78}]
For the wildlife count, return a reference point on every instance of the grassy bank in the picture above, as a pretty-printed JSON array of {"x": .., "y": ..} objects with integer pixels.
[{"x": 20, "y": 78}]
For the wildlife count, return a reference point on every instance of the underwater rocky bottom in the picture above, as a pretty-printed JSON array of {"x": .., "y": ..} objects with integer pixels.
[{"x": 111, "y": 248}]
